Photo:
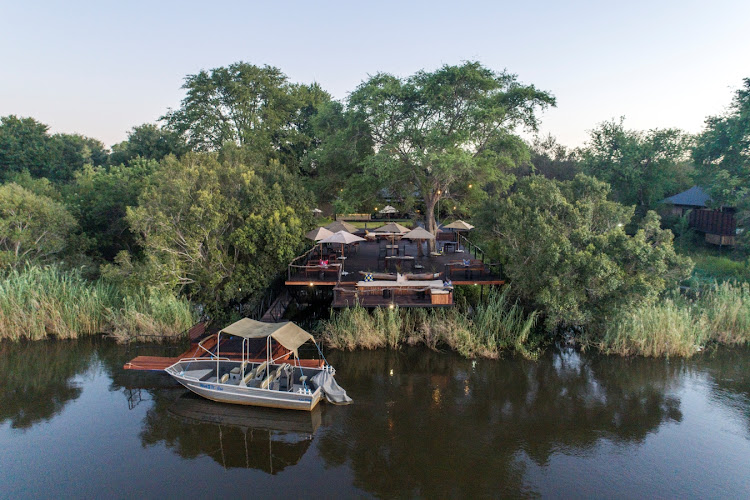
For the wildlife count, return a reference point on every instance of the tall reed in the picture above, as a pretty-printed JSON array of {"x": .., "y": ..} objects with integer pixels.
[
  {"x": 37, "y": 302},
  {"x": 495, "y": 325},
  {"x": 680, "y": 326}
]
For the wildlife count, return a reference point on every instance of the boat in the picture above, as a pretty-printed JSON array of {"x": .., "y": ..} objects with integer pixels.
[{"x": 276, "y": 382}]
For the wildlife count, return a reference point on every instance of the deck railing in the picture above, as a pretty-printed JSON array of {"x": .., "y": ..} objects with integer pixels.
[
  {"x": 479, "y": 254},
  {"x": 299, "y": 265}
]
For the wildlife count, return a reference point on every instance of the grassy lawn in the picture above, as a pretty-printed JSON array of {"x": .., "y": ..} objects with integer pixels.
[{"x": 713, "y": 263}]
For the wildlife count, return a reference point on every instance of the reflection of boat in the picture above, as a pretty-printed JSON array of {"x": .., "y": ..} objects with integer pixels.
[
  {"x": 272, "y": 383},
  {"x": 239, "y": 436},
  {"x": 194, "y": 408}
]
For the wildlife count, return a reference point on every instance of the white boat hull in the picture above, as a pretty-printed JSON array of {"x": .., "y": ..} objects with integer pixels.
[{"x": 236, "y": 394}]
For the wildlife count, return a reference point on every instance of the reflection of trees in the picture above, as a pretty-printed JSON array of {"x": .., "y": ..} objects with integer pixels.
[
  {"x": 234, "y": 436},
  {"x": 730, "y": 378},
  {"x": 35, "y": 378},
  {"x": 442, "y": 426}
]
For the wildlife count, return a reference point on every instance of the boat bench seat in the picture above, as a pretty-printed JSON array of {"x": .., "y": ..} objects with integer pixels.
[{"x": 254, "y": 373}]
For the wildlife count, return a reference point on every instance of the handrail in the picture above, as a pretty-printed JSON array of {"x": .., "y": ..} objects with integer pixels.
[{"x": 476, "y": 251}]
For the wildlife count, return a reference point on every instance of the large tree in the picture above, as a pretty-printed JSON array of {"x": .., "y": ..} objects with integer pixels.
[
  {"x": 641, "y": 167},
  {"x": 247, "y": 105},
  {"x": 566, "y": 252},
  {"x": 33, "y": 228},
  {"x": 27, "y": 146},
  {"x": 722, "y": 153},
  {"x": 219, "y": 227},
  {"x": 434, "y": 133},
  {"x": 148, "y": 141}
]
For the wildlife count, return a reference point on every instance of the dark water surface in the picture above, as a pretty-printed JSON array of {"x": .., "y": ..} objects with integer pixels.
[{"x": 73, "y": 423}]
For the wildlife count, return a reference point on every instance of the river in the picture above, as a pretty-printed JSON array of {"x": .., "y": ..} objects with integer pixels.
[{"x": 73, "y": 423}]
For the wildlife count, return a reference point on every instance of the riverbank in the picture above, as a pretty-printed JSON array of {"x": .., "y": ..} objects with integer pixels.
[
  {"x": 676, "y": 326},
  {"x": 41, "y": 302}
]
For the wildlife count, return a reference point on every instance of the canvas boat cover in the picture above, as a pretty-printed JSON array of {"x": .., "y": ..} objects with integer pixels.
[
  {"x": 332, "y": 390},
  {"x": 285, "y": 333}
]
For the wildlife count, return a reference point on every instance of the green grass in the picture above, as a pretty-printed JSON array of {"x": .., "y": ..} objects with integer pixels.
[
  {"x": 38, "y": 302},
  {"x": 496, "y": 325},
  {"x": 680, "y": 326}
]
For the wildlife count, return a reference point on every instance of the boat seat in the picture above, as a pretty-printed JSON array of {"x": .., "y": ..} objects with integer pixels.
[
  {"x": 273, "y": 376},
  {"x": 235, "y": 370},
  {"x": 257, "y": 372}
]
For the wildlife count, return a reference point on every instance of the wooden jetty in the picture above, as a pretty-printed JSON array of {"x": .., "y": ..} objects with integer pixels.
[{"x": 229, "y": 348}]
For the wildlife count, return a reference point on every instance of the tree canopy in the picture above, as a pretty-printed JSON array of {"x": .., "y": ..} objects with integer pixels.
[
  {"x": 219, "y": 227},
  {"x": 722, "y": 152},
  {"x": 641, "y": 167},
  {"x": 27, "y": 146},
  {"x": 250, "y": 106},
  {"x": 33, "y": 228},
  {"x": 147, "y": 141},
  {"x": 437, "y": 132},
  {"x": 565, "y": 250}
]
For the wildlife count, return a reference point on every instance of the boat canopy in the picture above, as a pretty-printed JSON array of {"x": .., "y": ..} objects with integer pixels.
[{"x": 285, "y": 333}]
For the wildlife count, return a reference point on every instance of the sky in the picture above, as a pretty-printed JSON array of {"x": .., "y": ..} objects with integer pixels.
[{"x": 100, "y": 68}]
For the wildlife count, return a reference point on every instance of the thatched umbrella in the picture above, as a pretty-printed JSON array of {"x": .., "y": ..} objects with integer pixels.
[{"x": 340, "y": 225}]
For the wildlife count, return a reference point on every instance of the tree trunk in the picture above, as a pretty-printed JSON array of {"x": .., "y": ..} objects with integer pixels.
[{"x": 430, "y": 202}]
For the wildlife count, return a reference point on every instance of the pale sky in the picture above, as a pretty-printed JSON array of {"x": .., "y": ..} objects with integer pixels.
[{"x": 101, "y": 67}]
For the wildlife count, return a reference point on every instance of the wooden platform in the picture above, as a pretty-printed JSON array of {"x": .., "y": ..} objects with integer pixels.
[
  {"x": 159, "y": 363},
  {"x": 366, "y": 258}
]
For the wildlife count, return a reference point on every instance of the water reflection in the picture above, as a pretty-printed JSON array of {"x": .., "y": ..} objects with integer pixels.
[
  {"x": 36, "y": 379},
  {"x": 433, "y": 419},
  {"x": 234, "y": 436},
  {"x": 423, "y": 424}
]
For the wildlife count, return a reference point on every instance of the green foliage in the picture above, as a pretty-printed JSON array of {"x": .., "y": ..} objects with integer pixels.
[
  {"x": 565, "y": 250},
  {"x": 721, "y": 152},
  {"x": 99, "y": 198},
  {"x": 553, "y": 160},
  {"x": 147, "y": 141},
  {"x": 436, "y": 133},
  {"x": 36, "y": 302},
  {"x": 640, "y": 167},
  {"x": 496, "y": 325},
  {"x": 25, "y": 145},
  {"x": 33, "y": 228},
  {"x": 250, "y": 106},
  {"x": 680, "y": 326},
  {"x": 217, "y": 228}
]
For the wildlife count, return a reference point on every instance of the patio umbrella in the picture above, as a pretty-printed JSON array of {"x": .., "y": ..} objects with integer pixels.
[
  {"x": 388, "y": 210},
  {"x": 419, "y": 234},
  {"x": 316, "y": 211},
  {"x": 340, "y": 225},
  {"x": 318, "y": 234},
  {"x": 459, "y": 225},
  {"x": 342, "y": 237},
  {"x": 392, "y": 227}
]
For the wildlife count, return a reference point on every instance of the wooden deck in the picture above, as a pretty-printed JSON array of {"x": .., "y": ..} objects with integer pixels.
[
  {"x": 228, "y": 349},
  {"x": 369, "y": 257}
]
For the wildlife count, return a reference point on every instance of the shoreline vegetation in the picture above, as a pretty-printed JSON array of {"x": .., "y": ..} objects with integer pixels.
[
  {"x": 495, "y": 326},
  {"x": 196, "y": 214},
  {"x": 39, "y": 302}
]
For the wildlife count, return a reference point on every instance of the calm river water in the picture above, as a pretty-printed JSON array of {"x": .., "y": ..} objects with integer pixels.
[{"x": 73, "y": 423}]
